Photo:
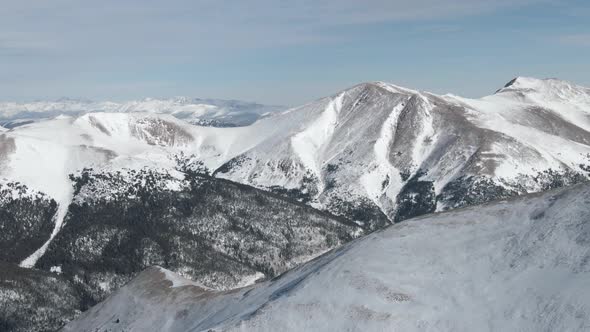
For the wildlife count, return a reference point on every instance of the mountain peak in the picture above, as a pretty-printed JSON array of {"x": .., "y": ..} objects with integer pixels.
[
  {"x": 385, "y": 85},
  {"x": 548, "y": 90},
  {"x": 524, "y": 82},
  {"x": 72, "y": 100},
  {"x": 531, "y": 83}
]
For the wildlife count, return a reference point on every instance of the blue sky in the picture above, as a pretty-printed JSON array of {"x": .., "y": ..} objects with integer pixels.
[{"x": 284, "y": 52}]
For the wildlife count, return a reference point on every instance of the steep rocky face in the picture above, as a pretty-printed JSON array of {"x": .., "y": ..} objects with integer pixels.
[
  {"x": 218, "y": 233},
  {"x": 35, "y": 301}
]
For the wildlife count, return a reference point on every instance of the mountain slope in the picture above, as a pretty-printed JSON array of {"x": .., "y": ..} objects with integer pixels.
[
  {"x": 374, "y": 153},
  {"x": 379, "y": 147},
  {"x": 218, "y": 233},
  {"x": 510, "y": 265},
  {"x": 92, "y": 186}
]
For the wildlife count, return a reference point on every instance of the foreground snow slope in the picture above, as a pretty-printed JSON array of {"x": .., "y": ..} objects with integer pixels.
[{"x": 518, "y": 265}]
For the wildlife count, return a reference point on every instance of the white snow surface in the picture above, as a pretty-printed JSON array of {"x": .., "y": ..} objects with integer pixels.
[
  {"x": 382, "y": 168},
  {"x": 308, "y": 143},
  {"x": 518, "y": 265}
]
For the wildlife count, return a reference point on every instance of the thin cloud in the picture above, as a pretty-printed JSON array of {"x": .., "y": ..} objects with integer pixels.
[
  {"x": 201, "y": 43},
  {"x": 582, "y": 39},
  {"x": 218, "y": 23}
]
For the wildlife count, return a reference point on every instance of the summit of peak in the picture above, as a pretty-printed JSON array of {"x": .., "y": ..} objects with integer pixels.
[
  {"x": 523, "y": 82},
  {"x": 546, "y": 86},
  {"x": 384, "y": 85}
]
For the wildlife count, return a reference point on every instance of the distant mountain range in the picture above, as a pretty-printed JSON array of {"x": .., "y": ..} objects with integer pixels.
[{"x": 205, "y": 112}]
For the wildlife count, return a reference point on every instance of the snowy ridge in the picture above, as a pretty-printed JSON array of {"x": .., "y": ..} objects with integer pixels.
[
  {"x": 375, "y": 154},
  {"x": 437, "y": 139},
  {"x": 374, "y": 147},
  {"x": 477, "y": 269}
]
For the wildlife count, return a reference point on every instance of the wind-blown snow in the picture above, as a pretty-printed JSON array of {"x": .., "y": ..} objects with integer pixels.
[{"x": 503, "y": 112}]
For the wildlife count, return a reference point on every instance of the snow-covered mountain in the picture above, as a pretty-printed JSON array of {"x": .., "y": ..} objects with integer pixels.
[
  {"x": 408, "y": 152},
  {"x": 372, "y": 153},
  {"x": 519, "y": 265},
  {"x": 220, "y": 234},
  {"x": 206, "y": 112}
]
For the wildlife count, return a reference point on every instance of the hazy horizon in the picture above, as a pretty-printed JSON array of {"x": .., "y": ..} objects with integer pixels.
[{"x": 284, "y": 53}]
